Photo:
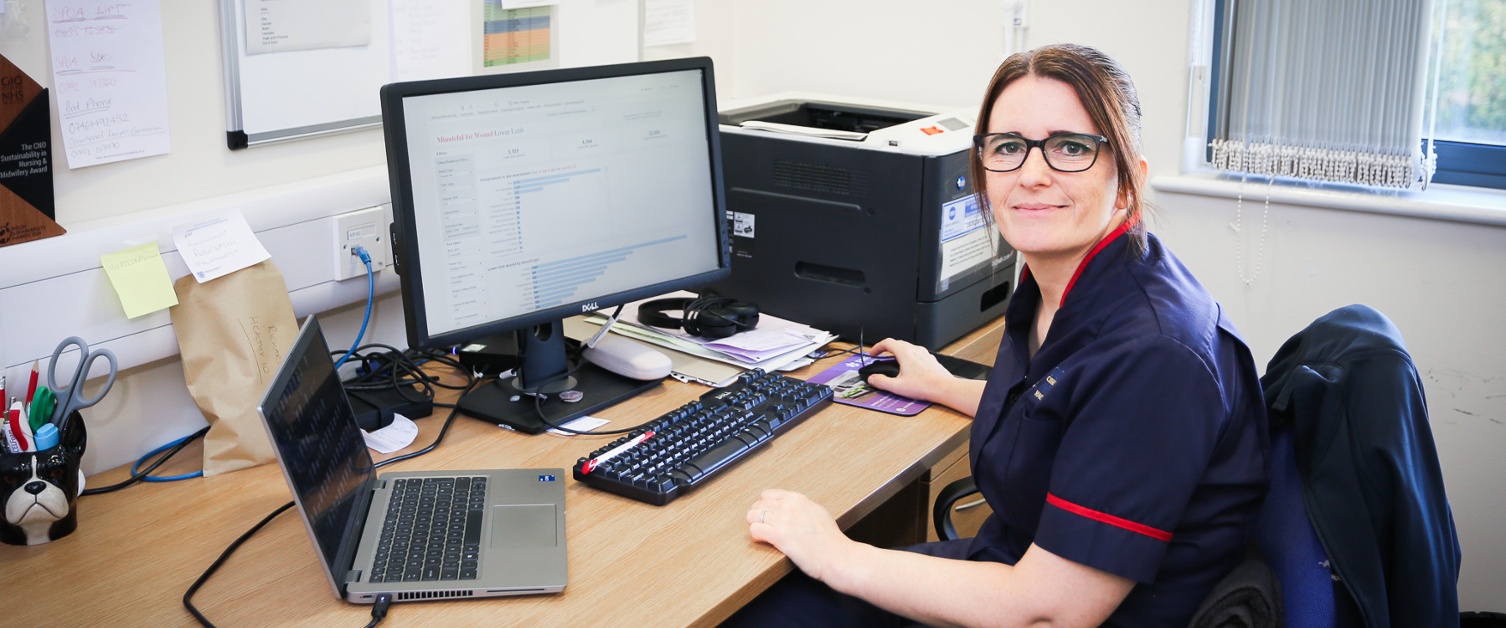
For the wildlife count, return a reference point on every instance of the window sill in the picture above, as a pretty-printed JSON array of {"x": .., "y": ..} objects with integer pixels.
[{"x": 1438, "y": 202}]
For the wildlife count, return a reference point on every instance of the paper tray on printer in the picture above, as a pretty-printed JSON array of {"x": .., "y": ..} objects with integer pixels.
[{"x": 821, "y": 119}]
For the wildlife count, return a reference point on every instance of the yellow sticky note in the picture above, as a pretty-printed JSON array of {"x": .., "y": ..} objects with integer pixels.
[{"x": 140, "y": 279}]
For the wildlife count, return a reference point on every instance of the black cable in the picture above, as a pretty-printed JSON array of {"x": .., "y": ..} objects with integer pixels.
[
  {"x": 538, "y": 407},
  {"x": 188, "y": 595},
  {"x": 454, "y": 411},
  {"x": 396, "y": 370},
  {"x": 379, "y": 609},
  {"x": 538, "y": 400},
  {"x": 856, "y": 349},
  {"x": 138, "y": 477},
  {"x": 394, "y": 364},
  {"x": 383, "y": 368},
  {"x": 836, "y": 352}
]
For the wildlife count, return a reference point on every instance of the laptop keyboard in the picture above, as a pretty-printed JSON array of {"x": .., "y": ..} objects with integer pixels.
[{"x": 432, "y": 530}]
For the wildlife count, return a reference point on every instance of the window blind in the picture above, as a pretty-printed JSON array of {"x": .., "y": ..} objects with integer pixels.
[{"x": 1324, "y": 91}]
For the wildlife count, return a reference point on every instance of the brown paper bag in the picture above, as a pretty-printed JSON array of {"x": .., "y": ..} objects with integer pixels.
[{"x": 233, "y": 332}]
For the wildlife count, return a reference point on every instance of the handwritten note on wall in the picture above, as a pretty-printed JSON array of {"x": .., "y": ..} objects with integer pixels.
[
  {"x": 218, "y": 246},
  {"x": 110, "y": 80},
  {"x": 429, "y": 39},
  {"x": 140, "y": 279}
]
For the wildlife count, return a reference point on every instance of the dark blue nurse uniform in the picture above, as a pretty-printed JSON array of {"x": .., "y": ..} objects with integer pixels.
[{"x": 1134, "y": 442}]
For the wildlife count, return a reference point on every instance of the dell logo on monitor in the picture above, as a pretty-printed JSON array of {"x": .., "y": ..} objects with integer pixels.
[{"x": 589, "y": 307}]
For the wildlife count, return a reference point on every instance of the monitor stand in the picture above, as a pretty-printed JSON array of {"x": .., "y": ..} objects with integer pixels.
[{"x": 512, "y": 404}]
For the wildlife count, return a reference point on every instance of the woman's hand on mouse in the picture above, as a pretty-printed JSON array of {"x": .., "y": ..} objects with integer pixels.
[
  {"x": 918, "y": 370},
  {"x": 922, "y": 377}
]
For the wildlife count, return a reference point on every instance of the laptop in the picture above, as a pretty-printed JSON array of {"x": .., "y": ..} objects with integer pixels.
[{"x": 506, "y": 527}]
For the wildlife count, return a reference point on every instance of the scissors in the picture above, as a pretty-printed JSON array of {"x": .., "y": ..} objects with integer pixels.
[{"x": 71, "y": 397}]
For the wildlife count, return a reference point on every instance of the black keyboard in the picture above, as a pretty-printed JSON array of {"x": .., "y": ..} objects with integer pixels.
[
  {"x": 694, "y": 442},
  {"x": 432, "y": 530}
]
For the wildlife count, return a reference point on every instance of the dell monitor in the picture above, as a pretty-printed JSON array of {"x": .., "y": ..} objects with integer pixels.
[{"x": 521, "y": 199}]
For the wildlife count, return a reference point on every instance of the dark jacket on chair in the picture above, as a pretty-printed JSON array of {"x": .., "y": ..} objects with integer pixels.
[{"x": 1372, "y": 484}]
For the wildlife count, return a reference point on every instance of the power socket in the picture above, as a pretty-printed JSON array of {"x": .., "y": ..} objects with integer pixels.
[{"x": 366, "y": 228}]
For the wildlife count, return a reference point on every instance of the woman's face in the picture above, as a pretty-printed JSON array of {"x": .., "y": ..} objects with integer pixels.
[{"x": 1045, "y": 214}]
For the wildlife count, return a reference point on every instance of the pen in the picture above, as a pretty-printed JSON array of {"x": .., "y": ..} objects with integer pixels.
[{"x": 614, "y": 452}]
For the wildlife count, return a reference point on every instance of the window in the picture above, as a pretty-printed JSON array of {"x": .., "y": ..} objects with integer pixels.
[
  {"x": 1374, "y": 94},
  {"x": 1470, "y": 106}
]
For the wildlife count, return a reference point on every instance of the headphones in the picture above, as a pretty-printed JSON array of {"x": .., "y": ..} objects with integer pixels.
[{"x": 709, "y": 315}]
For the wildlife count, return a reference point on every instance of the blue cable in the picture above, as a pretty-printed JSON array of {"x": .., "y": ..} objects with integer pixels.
[
  {"x": 164, "y": 478},
  {"x": 370, "y": 296}
]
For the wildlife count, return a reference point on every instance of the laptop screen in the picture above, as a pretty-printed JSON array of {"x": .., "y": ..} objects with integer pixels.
[{"x": 316, "y": 438}]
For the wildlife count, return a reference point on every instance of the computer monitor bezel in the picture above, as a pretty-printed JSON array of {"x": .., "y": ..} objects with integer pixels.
[{"x": 405, "y": 248}]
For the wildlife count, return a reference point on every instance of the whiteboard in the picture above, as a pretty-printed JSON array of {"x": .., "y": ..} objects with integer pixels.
[{"x": 288, "y": 95}]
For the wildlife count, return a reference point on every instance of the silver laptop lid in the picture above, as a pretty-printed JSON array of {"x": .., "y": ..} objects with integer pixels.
[{"x": 320, "y": 449}]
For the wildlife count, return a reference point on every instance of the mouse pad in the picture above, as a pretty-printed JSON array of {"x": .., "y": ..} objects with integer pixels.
[{"x": 848, "y": 388}]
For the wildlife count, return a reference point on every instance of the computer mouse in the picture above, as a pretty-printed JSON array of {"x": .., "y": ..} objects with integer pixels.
[{"x": 879, "y": 367}]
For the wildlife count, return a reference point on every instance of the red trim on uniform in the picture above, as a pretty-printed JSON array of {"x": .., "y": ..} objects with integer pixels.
[
  {"x": 1128, "y": 224},
  {"x": 1155, "y": 533}
]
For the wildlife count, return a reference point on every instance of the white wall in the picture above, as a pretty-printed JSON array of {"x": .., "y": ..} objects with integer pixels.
[{"x": 1439, "y": 281}]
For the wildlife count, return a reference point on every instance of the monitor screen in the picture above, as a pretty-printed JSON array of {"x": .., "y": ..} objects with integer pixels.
[{"x": 521, "y": 199}]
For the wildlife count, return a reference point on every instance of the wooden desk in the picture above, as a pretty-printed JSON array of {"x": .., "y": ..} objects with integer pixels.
[{"x": 688, "y": 563}]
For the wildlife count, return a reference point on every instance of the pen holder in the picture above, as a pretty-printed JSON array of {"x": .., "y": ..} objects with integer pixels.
[{"x": 39, "y": 489}]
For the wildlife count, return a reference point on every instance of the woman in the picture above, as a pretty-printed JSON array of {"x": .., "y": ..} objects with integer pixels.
[{"x": 1121, "y": 438}]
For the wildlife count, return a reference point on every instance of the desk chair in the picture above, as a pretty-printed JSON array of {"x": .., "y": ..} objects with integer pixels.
[{"x": 1356, "y": 525}]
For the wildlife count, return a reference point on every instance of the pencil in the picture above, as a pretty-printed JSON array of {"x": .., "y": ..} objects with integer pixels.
[{"x": 31, "y": 387}]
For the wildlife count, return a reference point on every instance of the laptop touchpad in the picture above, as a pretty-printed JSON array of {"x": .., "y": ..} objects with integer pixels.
[{"x": 524, "y": 525}]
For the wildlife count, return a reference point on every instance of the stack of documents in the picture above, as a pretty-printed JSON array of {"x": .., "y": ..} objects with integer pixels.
[{"x": 774, "y": 344}]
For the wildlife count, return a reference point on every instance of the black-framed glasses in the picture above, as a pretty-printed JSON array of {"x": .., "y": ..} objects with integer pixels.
[{"x": 1064, "y": 152}]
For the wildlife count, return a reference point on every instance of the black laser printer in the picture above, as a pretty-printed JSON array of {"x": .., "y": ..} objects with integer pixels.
[{"x": 860, "y": 220}]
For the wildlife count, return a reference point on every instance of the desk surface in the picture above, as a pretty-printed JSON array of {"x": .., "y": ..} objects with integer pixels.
[{"x": 137, "y": 551}]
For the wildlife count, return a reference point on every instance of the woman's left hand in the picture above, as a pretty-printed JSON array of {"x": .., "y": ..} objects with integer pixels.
[{"x": 800, "y": 528}]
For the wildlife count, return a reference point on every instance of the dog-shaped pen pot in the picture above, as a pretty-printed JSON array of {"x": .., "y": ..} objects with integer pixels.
[{"x": 39, "y": 489}]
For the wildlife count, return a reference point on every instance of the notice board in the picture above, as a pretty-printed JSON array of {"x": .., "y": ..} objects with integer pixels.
[{"x": 317, "y": 67}]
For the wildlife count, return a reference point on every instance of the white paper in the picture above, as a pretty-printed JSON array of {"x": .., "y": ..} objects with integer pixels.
[
  {"x": 397, "y": 435},
  {"x": 287, "y": 25},
  {"x": 758, "y": 344},
  {"x": 109, "y": 79},
  {"x": 218, "y": 246},
  {"x": 807, "y": 338},
  {"x": 583, "y": 424},
  {"x": 668, "y": 22},
  {"x": 430, "y": 39}
]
